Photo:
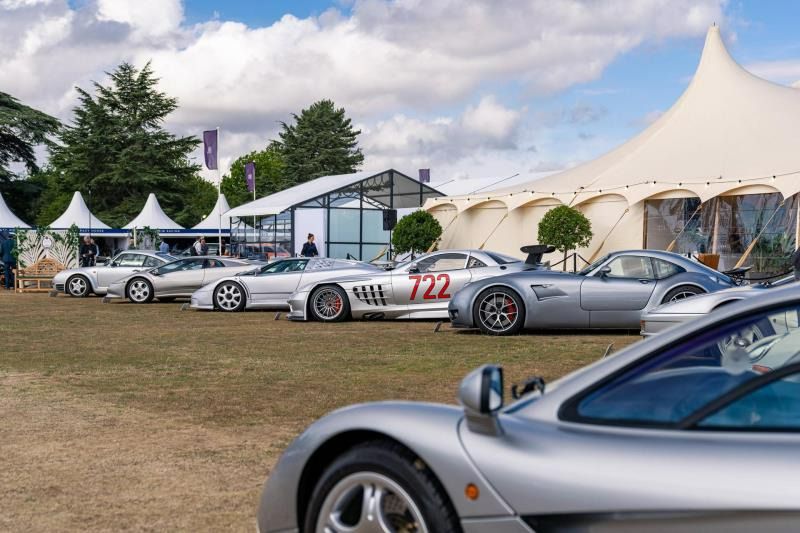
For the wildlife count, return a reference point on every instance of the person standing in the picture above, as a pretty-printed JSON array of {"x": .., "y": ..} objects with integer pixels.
[
  {"x": 309, "y": 248},
  {"x": 9, "y": 261},
  {"x": 203, "y": 246},
  {"x": 87, "y": 252},
  {"x": 163, "y": 247},
  {"x": 95, "y": 251}
]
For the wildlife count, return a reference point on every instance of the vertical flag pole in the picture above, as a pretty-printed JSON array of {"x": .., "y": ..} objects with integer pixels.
[{"x": 219, "y": 192}]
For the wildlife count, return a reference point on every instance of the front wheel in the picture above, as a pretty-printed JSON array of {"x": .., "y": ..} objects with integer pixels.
[
  {"x": 499, "y": 311},
  {"x": 681, "y": 293},
  {"x": 329, "y": 304},
  {"x": 229, "y": 297},
  {"x": 140, "y": 291},
  {"x": 379, "y": 486},
  {"x": 78, "y": 286}
]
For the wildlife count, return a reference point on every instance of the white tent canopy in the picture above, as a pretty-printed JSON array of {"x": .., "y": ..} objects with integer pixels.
[
  {"x": 152, "y": 216},
  {"x": 217, "y": 217},
  {"x": 728, "y": 125},
  {"x": 78, "y": 213},
  {"x": 7, "y": 217}
]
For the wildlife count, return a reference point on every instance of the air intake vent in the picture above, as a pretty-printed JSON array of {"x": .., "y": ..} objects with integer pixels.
[{"x": 370, "y": 294}]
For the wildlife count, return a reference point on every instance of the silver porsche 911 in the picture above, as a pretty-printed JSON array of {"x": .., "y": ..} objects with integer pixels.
[
  {"x": 670, "y": 314},
  {"x": 420, "y": 288},
  {"x": 178, "y": 279},
  {"x": 80, "y": 282},
  {"x": 610, "y": 293},
  {"x": 270, "y": 286},
  {"x": 678, "y": 433}
]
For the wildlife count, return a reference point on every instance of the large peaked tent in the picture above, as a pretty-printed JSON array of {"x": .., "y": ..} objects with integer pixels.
[
  {"x": 725, "y": 155},
  {"x": 8, "y": 220},
  {"x": 152, "y": 216},
  {"x": 78, "y": 213}
]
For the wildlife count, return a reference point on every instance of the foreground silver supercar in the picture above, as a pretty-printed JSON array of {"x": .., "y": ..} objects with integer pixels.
[
  {"x": 678, "y": 433},
  {"x": 610, "y": 293},
  {"x": 420, "y": 288},
  {"x": 270, "y": 286},
  {"x": 80, "y": 282}
]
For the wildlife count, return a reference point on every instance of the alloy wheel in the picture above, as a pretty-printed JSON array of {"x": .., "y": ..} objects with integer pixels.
[
  {"x": 368, "y": 502},
  {"x": 77, "y": 286},
  {"x": 229, "y": 297},
  {"x": 498, "y": 312},
  {"x": 328, "y": 304},
  {"x": 682, "y": 295},
  {"x": 139, "y": 290}
]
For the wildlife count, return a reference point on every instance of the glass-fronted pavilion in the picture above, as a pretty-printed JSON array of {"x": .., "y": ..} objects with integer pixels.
[{"x": 345, "y": 213}]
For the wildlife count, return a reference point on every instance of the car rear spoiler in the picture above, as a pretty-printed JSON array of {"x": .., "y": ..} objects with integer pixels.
[
  {"x": 535, "y": 253},
  {"x": 738, "y": 274}
]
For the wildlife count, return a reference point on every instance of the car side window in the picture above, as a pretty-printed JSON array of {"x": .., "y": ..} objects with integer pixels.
[
  {"x": 668, "y": 389},
  {"x": 151, "y": 262},
  {"x": 630, "y": 267},
  {"x": 193, "y": 264},
  {"x": 130, "y": 260},
  {"x": 441, "y": 262},
  {"x": 665, "y": 269},
  {"x": 474, "y": 262},
  {"x": 214, "y": 263}
]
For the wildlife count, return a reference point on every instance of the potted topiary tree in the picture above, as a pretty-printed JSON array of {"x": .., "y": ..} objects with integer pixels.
[
  {"x": 566, "y": 228},
  {"x": 416, "y": 233}
]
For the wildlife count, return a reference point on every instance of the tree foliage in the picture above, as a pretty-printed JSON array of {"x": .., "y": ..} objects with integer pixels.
[
  {"x": 415, "y": 233},
  {"x": 321, "y": 142},
  {"x": 117, "y": 151},
  {"x": 22, "y": 128},
  {"x": 566, "y": 228},
  {"x": 269, "y": 175}
]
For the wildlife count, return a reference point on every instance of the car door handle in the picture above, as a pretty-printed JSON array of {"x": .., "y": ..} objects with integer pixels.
[
  {"x": 136, "y": 270},
  {"x": 644, "y": 281}
]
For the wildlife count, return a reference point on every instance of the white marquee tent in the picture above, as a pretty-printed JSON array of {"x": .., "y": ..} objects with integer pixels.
[
  {"x": 152, "y": 216},
  {"x": 724, "y": 158},
  {"x": 8, "y": 220},
  {"x": 78, "y": 213}
]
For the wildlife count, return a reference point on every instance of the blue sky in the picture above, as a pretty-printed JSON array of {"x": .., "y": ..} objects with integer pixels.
[{"x": 471, "y": 88}]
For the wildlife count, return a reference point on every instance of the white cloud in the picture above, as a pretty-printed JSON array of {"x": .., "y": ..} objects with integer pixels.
[{"x": 385, "y": 62}]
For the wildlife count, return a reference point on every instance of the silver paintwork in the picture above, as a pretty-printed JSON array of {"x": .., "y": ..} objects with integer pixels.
[
  {"x": 98, "y": 278},
  {"x": 409, "y": 291},
  {"x": 663, "y": 317},
  {"x": 177, "y": 279},
  {"x": 270, "y": 286},
  {"x": 565, "y": 300},
  {"x": 586, "y": 477}
]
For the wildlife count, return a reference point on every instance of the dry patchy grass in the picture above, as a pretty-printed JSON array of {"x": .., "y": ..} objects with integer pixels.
[{"x": 151, "y": 418}]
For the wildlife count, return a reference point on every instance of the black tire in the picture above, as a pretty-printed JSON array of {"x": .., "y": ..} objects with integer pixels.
[
  {"x": 509, "y": 324},
  {"x": 681, "y": 293},
  {"x": 139, "y": 291},
  {"x": 225, "y": 297},
  {"x": 327, "y": 311},
  {"x": 398, "y": 464},
  {"x": 78, "y": 286}
]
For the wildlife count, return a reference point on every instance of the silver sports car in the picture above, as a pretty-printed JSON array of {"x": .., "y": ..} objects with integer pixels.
[
  {"x": 80, "y": 282},
  {"x": 670, "y": 314},
  {"x": 420, "y": 288},
  {"x": 675, "y": 434},
  {"x": 178, "y": 279},
  {"x": 270, "y": 286},
  {"x": 610, "y": 293}
]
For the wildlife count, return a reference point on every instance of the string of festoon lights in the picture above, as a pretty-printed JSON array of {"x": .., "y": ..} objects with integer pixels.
[{"x": 648, "y": 183}]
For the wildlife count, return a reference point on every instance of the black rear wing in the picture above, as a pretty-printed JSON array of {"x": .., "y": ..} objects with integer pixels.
[{"x": 535, "y": 253}]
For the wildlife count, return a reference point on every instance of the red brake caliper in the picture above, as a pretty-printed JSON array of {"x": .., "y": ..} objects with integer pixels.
[
  {"x": 337, "y": 303},
  {"x": 512, "y": 309}
]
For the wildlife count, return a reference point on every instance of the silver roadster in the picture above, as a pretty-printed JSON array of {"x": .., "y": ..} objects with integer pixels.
[
  {"x": 270, "y": 286},
  {"x": 610, "y": 293},
  {"x": 80, "y": 282},
  {"x": 178, "y": 279},
  {"x": 678, "y": 433},
  {"x": 420, "y": 288}
]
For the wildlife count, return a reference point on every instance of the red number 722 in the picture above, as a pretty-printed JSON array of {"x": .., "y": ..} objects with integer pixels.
[{"x": 431, "y": 280}]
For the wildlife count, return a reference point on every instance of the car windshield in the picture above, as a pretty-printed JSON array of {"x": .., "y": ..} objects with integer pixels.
[
  {"x": 682, "y": 386},
  {"x": 592, "y": 267}
]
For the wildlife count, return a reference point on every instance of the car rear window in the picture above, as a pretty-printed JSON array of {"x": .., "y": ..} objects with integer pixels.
[{"x": 502, "y": 259}]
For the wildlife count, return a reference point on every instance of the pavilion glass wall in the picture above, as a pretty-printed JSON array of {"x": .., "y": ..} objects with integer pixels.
[
  {"x": 726, "y": 226},
  {"x": 269, "y": 237}
]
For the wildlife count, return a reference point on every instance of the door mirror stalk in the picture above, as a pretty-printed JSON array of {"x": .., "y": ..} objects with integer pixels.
[{"x": 481, "y": 396}]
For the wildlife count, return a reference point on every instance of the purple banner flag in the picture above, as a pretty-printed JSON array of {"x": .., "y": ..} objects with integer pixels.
[
  {"x": 425, "y": 175},
  {"x": 250, "y": 176},
  {"x": 210, "y": 148}
]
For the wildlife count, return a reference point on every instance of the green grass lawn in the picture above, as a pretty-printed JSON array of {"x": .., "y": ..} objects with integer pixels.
[{"x": 180, "y": 414}]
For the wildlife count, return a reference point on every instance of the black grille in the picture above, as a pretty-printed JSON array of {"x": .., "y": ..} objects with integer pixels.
[
  {"x": 59, "y": 286},
  {"x": 370, "y": 294}
]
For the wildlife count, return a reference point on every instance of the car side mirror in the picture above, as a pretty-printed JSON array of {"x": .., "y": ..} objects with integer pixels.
[
  {"x": 413, "y": 269},
  {"x": 112, "y": 263},
  {"x": 605, "y": 271},
  {"x": 481, "y": 396}
]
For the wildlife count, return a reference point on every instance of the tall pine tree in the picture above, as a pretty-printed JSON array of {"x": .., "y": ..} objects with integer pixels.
[
  {"x": 321, "y": 142},
  {"x": 117, "y": 152}
]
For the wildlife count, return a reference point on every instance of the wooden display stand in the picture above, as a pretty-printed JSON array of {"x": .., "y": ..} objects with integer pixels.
[
  {"x": 709, "y": 260},
  {"x": 38, "y": 277}
]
